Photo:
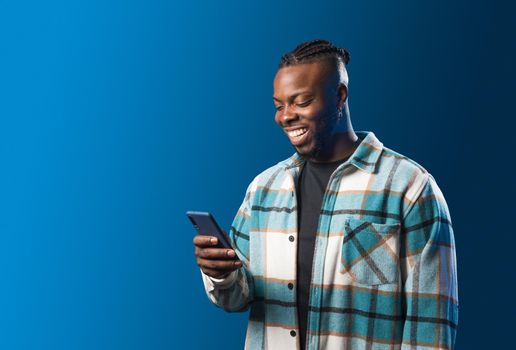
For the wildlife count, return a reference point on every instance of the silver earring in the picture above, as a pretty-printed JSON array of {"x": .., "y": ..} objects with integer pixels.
[{"x": 339, "y": 114}]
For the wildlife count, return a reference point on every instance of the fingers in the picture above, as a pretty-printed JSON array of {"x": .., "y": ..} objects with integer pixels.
[
  {"x": 215, "y": 262},
  {"x": 215, "y": 253},
  {"x": 219, "y": 265},
  {"x": 204, "y": 248},
  {"x": 205, "y": 241}
]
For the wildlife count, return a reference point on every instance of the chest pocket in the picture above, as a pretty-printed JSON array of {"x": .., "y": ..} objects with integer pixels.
[{"x": 370, "y": 251}]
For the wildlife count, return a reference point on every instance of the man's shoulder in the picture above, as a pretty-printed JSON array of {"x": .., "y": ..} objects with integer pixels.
[
  {"x": 403, "y": 163},
  {"x": 405, "y": 173},
  {"x": 271, "y": 175}
]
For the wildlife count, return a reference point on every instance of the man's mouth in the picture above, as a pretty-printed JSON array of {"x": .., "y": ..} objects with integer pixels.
[{"x": 297, "y": 136}]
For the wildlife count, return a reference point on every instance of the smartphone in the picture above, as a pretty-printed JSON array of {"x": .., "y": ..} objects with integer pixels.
[{"x": 205, "y": 224}]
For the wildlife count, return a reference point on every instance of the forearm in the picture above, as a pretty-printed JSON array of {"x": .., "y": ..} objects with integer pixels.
[
  {"x": 233, "y": 293},
  {"x": 429, "y": 271},
  {"x": 431, "y": 314}
]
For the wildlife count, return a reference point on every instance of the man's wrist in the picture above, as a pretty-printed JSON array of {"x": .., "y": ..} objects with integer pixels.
[{"x": 224, "y": 282}]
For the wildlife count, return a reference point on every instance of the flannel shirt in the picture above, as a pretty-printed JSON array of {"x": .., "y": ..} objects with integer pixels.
[{"x": 384, "y": 270}]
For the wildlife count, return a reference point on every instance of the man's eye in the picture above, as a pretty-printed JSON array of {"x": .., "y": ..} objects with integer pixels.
[
  {"x": 279, "y": 108},
  {"x": 304, "y": 104}
]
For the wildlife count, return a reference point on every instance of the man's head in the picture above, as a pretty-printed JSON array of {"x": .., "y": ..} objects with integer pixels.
[{"x": 310, "y": 96}]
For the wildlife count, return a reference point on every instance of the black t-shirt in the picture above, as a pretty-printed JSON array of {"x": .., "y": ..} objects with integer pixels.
[{"x": 311, "y": 186}]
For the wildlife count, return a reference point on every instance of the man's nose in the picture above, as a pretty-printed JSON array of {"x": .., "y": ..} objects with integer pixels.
[{"x": 288, "y": 113}]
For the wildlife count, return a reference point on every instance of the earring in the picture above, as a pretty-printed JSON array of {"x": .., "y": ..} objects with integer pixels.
[{"x": 339, "y": 114}]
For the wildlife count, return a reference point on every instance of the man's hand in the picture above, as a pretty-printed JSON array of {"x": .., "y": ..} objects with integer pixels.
[{"x": 214, "y": 262}]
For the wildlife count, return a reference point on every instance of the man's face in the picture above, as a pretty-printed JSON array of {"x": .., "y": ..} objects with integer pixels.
[{"x": 305, "y": 97}]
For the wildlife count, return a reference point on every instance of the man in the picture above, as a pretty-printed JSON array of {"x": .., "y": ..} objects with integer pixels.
[{"x": 346, "y": 244}]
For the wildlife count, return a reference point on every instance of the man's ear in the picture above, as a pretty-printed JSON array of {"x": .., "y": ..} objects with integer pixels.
[{"x": 342, "y": 95}]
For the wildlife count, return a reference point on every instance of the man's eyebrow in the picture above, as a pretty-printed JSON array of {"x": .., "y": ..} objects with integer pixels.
[{"x": 293, "y": 96}]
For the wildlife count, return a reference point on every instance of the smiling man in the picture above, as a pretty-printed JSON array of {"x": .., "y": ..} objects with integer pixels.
[{"x": 346, "y": 244}]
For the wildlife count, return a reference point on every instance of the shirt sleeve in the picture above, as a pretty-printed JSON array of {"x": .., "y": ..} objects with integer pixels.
[
  {"x": 234, "y": 293},
  {"x": 429, "y": 271}
]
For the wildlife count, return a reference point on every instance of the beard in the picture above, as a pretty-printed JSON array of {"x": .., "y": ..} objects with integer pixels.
[{"x": 322, "y": 137}]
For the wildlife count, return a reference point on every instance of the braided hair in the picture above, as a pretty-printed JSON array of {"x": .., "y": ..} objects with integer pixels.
[{"x": 317, "y": 50}]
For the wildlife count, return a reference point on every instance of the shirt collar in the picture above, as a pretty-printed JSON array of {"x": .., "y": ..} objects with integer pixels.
[{"x": 365, "y": 156}]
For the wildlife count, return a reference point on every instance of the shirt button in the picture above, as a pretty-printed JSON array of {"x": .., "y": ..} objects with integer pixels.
[
  {"x": 290, "y": 286},
  {"x": 291, "y": 238},
  {"x": 293, "y": 333}
]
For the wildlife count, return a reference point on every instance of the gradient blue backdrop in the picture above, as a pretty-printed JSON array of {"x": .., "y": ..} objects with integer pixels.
[{"x": 118, "y": 116}]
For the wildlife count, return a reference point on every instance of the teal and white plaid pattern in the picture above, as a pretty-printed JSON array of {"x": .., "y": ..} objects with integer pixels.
[{"x": 384, "y": 272}]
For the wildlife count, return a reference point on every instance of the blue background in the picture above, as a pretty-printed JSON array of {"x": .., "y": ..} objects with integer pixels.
[{"x": 118, "y": 116}]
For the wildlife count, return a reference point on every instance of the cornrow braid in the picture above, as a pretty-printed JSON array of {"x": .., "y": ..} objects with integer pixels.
[
  {"x": 309, "y": 44},
  {"x": 314, "y": 50}
]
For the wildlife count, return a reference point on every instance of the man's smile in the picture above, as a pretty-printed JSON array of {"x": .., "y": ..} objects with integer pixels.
[{"x": 297, "y": 136}]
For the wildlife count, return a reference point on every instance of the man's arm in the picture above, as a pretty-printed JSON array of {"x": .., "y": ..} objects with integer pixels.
[
  {"x": 234, "y": 292},
  {"x": 429, "y": 271}
]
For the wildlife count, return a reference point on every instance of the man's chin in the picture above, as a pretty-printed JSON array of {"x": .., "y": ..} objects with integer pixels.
[{"x": 306, "y": 151}]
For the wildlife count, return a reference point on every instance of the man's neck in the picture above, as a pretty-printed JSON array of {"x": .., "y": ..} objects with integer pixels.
[{"x": 343, "y": 145}]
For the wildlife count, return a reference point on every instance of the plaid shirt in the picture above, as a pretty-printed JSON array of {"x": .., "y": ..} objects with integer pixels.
[{"x": 384, "y": 270}]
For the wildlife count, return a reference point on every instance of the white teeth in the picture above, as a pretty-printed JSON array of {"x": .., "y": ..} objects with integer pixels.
[{"x": 297, "y": 132}]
